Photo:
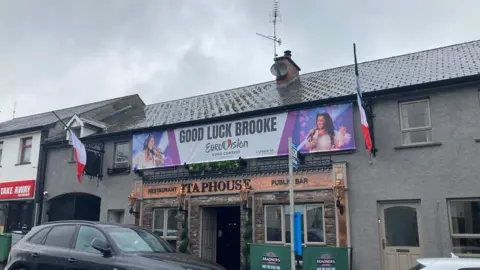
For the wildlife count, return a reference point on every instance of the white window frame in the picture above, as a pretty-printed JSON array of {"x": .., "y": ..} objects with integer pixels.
[
  {"x": 459, "y": 235},
  {"x": 165, "y": 210},
  {"x": 305, "y": 224},
  {"x": 115, "y": 164},
  {"x": 1, "y": 152},
  {"x": 407, "y": 130}
]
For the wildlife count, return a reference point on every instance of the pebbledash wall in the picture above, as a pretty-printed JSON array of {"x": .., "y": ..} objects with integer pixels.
[
  {"x": 429, "y": 174},
  {"x": 113, "y": 190},
  {"x": 312, "y": 187}
]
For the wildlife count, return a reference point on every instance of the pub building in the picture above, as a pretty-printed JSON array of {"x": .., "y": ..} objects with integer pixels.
[{"x": 217, "y": 209}]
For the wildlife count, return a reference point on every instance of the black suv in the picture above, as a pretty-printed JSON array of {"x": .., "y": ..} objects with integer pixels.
[{"x": 82, "y": 245}]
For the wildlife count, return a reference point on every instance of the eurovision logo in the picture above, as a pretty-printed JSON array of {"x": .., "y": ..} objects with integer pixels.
[
  {"x": 226, "y": 145},
  {"x": 326, "y": 260}
]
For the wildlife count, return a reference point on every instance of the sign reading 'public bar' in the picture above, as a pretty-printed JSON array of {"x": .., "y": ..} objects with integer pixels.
[
  {"x": 321, "y": 129},
  {"x": 234, "y": 185}
]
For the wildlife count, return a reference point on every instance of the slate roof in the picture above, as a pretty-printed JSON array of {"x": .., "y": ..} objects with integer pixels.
[
  {"x": 438, "y": 64},
  {"x": 42, "y": 119}
]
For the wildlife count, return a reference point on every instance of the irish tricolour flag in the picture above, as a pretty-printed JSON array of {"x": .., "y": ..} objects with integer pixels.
[
  {"x": 363, "y": 116},
  {"x": 80, "y": 155}
]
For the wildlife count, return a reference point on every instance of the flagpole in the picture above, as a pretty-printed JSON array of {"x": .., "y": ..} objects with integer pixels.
[{"x": 61, "y": 121}]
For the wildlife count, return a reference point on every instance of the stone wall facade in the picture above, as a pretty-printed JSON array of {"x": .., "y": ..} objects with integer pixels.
[{"x": 259, "y": 200}]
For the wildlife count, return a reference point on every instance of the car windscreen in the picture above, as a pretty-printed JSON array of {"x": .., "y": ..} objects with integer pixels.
[
  {"x": 136, "y": 240},
  {"x": 417, "y": 267}
]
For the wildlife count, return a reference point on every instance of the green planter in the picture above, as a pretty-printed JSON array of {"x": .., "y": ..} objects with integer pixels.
[
  {"x": 269, "y": 257},
  {"x": 328, "y": 258},
  {"x": 5, "y": 245}
]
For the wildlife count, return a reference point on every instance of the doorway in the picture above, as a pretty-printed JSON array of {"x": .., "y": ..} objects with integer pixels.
[
  {"x": 399, "y": 235},
  {"x": 221, "y": 236},
  {"x": 74, "y": 206}
]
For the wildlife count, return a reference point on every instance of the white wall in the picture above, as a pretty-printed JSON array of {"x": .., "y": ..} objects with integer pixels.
[{"x": 9, "y": 171}]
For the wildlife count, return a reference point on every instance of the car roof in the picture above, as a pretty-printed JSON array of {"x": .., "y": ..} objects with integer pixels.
[
  {"x": 85, "y": 222},
  {"x": 453, "y": 262}
]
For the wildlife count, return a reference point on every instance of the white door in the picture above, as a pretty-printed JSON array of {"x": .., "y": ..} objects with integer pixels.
[
  {"x": 399, "y": 235},
  {"x": 209, "y": 234}
]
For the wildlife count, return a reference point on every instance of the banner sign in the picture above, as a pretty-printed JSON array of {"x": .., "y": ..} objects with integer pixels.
[
  {"x": 24, "y": 189},
  {"x": 264, "y": 183},
  {"x": 274, "y": 257},
  {"x": 323, "y": 129},
  {"x": 328, "y": 258}
]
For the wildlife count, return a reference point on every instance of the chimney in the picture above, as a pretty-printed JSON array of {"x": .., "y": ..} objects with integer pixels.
[{"x": 285, "y": 70}]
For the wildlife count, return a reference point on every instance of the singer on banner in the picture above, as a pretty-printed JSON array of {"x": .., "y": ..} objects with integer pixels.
[
  {"x": 149, "y": 157},
  {"x": 324, "y": 137}
]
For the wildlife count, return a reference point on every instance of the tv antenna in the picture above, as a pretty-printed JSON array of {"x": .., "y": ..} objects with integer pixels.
[
  {"x": 14, "y": 109},
  {"x": 275, "y": 17}
]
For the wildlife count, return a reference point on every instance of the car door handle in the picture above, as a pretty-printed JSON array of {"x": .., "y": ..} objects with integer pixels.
[
  {"x": 71, "y": 260},
  {"x": 34, "y": 255}
]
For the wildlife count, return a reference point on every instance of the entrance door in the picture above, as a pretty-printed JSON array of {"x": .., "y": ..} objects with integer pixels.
[
  {"x": 399, "y": 235},
  {"x": 228, "y": 237},
  {"x": 209, "y": 233}
]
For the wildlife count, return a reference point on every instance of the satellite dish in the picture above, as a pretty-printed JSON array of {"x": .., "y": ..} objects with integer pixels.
[{"x": 279, "y": 69}]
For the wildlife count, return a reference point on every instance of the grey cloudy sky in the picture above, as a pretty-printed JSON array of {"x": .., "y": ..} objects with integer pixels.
[{"x": 59, "y": 53}]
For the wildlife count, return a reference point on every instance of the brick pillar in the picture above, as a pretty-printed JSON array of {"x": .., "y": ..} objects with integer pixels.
[{"x": 180, "y": 219}]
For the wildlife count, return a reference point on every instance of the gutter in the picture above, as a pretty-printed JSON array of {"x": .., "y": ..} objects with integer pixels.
[
  {"x": 40, "y": 181},
  {"x": 24, "y": 130}
]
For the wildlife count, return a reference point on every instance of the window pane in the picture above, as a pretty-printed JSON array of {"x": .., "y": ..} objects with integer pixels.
[
  {"x": 315, "y": 231},
  {"x": 298, "y": 208},
  {"x": 418, "y": 136},
  {"x": 39, "y": 236},
  {"x": 401, "y": 228},
  {"x": 26, "y": 154},
  {"x": 122, "y": 152},
  {"x": 172, "y": 222},
  {"x": 465, "y": 217},
  {"x": 415, "y": 114},
  {"x": 85, "y": 237},
  {"x": 466, "y": 245},
  {"x": 60, "y": 236},
  {"x": 27, "y": 142},
  {"x": 158, "y": 221},
  {"x": 173, "y": 243},
  {"x": 273, "y": 223}
]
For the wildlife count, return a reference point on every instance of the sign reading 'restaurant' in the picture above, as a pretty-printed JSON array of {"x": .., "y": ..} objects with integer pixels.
[
  {"x": 322, "y": 129},
  {"x": 234, "y": 185},
  {"x": 17, "y": 189}
]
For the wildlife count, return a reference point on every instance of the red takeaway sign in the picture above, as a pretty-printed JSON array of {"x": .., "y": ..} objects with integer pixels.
[{"x": 17, "y": 189}]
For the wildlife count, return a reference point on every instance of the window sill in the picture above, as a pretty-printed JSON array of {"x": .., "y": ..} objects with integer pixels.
[
  {"x": 417, "y": 145},
  {"x": 477, "y": 140},
  {"x": 20, "y": 164}
]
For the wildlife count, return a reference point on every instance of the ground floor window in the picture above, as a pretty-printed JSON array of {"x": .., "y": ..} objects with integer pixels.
[
  {"x": 277, "y": 223},
  {"x": 465, "y": 226},
  {"x": 165, "y": 224}
]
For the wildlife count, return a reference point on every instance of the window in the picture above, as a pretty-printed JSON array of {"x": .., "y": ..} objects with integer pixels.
[
  {"x": 137, "y": 240},
  {"x": 26, "y": 150},
  {"x": 122, "y": 153},
  {"x": 60, "y": 236},
  {"x": 39, "y": 236},
  {"x": 465, "y": 226},
  {"x": 85, "y": 237},
  {"x": 277, "y": 223},
  {"x": 165, "y": 224},
  {"x": 415, "y": 122},
  {"x": 1, "y": 152}
]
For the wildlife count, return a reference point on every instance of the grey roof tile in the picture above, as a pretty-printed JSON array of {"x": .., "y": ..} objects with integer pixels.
[
  {"x": 38, "y": 120},
  {"x": 405, "y": 70}
]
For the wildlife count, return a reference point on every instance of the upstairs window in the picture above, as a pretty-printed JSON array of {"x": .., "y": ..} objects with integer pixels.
[
  {"x": 1, "y": 152},
  {"x": 121, "y": 155},
  {"x": 25, "y": 150},
  {"x": 415, "y": 122}
]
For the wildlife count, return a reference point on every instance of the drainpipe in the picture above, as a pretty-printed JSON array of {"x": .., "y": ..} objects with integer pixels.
[{"x": 40, "y": 181}]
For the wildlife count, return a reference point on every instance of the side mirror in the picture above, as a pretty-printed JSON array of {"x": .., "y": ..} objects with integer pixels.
[{"x": 101, "y": 246}]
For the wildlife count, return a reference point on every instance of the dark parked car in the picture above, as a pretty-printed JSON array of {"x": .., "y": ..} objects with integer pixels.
[{"x": 82, "y": 245}]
